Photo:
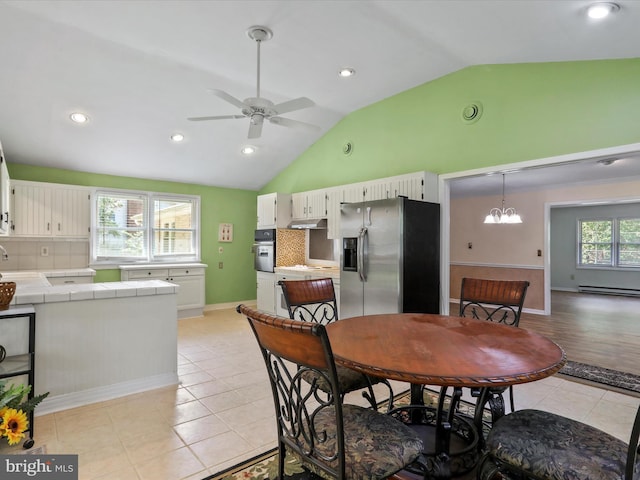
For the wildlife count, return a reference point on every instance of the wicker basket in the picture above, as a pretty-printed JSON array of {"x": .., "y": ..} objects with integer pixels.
[{"x": 7, "y": 290}]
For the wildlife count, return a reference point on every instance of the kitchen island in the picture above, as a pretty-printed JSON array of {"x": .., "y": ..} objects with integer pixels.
[{"x": 99, "y": 341}]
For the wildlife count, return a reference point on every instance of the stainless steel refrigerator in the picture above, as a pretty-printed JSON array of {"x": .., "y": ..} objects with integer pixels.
[{"x": 390, "y": 259}]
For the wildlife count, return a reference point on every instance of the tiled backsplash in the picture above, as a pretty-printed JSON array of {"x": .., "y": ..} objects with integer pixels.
[
  {"x": 28, "y": 254},
  {"x": 289, "y": 247}
]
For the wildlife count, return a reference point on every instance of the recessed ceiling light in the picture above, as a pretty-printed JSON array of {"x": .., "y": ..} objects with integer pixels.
[
  {"x": 248, "y": 150},
  {"x": 602, "y": 9},
  {"x": 346, "y": 72},
  {"x": 79, "y": 117},
  {"x": 177, "y": 137}
]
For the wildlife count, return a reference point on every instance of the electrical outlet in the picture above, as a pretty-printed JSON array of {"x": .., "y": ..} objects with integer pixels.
[
  {"x": 44, "y": 251},
  {"x": 220, "y": 250},
  {"x": 220, "y": 265}
]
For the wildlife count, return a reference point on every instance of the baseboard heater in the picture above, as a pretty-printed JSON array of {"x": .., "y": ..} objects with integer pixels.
[{"x": 630, "y": 292}]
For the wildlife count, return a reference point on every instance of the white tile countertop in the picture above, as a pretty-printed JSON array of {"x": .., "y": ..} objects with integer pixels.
[
  {"x": 145, "y": 266},
  {"x": 60, "y": 272},
  {"x": 311, "y": 271},
  {"x": 34, "y": 294}
]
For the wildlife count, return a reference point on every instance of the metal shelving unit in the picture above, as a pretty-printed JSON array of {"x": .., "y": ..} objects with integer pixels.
[{"x": 18, "y": 363}]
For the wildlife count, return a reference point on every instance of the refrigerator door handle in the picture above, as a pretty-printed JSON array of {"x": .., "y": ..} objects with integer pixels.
[
  {"x": 362, "y": 237},
  {"x": 368, "y": 220}
]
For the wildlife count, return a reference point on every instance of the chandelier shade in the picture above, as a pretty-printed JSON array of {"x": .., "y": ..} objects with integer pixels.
[{"x": 503, "y": 215}]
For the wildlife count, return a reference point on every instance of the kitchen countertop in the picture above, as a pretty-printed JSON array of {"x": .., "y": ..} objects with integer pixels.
[
  {"x": 309, "y": 270},
  {"x": 34, "y": 294},
  {"x": 161, "y": 265},
  {"x": 59, "y": 272}
]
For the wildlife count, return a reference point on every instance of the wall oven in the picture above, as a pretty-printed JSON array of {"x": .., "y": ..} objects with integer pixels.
[{"x": 264, "y": 250}]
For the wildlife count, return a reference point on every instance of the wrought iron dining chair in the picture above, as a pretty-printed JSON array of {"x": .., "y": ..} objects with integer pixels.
[
  {"x": 314, "y": 300},
  {"x": 330, "y": 438},
  {"x": 532, "y": 444},
  {"x": 497, "y": 301}
]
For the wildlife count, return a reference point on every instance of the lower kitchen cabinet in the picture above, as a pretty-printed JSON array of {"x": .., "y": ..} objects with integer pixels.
[
  {"x": 190, "y": 279},
  {"x": 266, "y": 299},
  {"x": 68, "y": 280}
]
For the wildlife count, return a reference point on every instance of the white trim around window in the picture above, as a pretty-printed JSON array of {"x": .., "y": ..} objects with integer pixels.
[{"x": 129, "y": 226}]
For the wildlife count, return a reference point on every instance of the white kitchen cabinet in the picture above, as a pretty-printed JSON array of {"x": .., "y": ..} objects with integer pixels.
[
  {"x": 5, "y": 188},
  {"x": 191, "y": 294},
  {"x": 70, "y": 280},
  {"x": 416, "y": 186},
  {"x": 274, "y": 210},
  {"x": 377, "y": 190},
  {"x": 311, "y": 204},
  {"x": 334, "y": 197},
  {"x": 50, "y": 210},
  {"x": 353, "y": 193},
  {"x": 266, "y": 287}
]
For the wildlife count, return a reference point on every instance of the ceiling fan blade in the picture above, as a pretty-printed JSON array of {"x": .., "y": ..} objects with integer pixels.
[
  {"x": 218, "y": 117},
  {"x": 225, "y": 96},
  {"x": 295, "y": 104},
  {"x": 255, "y": 126},
  {"x": 287, "y": 122}
]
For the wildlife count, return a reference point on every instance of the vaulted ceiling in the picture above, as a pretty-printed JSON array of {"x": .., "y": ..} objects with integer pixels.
[{"x": 140, "y": 68}]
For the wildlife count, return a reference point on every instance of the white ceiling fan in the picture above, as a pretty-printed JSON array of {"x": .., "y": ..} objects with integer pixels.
[{"x": 258, "y": 109}]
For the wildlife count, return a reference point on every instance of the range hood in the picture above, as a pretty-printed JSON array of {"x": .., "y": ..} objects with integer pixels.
[{"x": 309, "y": 224}]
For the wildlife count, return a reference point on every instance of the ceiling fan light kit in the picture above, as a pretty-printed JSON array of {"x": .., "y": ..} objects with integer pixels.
[{"x": 258, "y": 109}]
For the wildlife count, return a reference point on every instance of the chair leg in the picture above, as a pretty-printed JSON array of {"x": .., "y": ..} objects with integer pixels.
[
  {"x": 282, "y": 453},
  {"x": 391, "y": 394},
  {"x": 370, "y": 396},
  {"x": 511, "y": 402}
]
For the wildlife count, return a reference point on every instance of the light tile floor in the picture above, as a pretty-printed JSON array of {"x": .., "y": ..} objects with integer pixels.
[{"x": 221, "y": 412}]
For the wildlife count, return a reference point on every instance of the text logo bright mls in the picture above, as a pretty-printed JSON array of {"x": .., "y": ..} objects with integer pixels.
[{"x": 50, "y": 467}]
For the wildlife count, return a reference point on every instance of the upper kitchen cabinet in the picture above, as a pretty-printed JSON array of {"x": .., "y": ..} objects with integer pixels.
[
  {"x": 50, "y": 210},
  {"x": 5, "y": 188},
  {"x": 312, "y": 204},
  {"x": 416, "y": 186},
  {"x": 274, "y": 210}
]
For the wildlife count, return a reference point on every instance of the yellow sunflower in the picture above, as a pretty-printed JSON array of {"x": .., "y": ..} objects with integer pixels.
[{"x": 14, "y": 423}]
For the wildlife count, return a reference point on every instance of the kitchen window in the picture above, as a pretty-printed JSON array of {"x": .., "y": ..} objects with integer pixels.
[
  {"x": 612, "y": 242},
  {"x": 144, "y": 227}
]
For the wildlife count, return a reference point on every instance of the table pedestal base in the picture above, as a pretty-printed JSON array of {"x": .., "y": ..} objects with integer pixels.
[{"x": 451, "y": 448}]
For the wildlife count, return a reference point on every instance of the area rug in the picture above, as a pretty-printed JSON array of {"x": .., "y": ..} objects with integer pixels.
[{"x": 613, "y": 379}]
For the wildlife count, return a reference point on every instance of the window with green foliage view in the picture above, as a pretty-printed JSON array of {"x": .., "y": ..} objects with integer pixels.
[
  {"x": 613, "y": 242},
  {"x": 629, "y": 243},
  {"x": 145, "y": 227}
]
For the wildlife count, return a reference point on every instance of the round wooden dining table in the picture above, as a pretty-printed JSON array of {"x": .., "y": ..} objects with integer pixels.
[
  {"x": 443, "y": 350},
  {"x": 447, "y": 351}
]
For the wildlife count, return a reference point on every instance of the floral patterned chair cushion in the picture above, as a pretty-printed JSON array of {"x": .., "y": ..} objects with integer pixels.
[
  {"x": 348, "y": 380},
  {"x": 551, "y": 447},
  {"x": 376, "y": 445}
]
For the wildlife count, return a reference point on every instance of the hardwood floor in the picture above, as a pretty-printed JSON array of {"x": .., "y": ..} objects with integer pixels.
[{"x": 602, "y": 330}]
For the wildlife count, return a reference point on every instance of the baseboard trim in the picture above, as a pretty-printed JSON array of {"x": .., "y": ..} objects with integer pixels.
[
  {"x": 101, "y": 394},
  {"x": 223, "y": 306}
]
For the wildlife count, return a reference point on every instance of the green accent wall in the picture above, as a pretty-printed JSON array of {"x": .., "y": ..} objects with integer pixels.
[
  {"x": 236, "y": 281},
  {"x": 530, "y": 111}
]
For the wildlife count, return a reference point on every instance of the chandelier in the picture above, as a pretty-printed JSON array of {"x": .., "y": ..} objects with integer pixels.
[{"x": 503, "y": 215}]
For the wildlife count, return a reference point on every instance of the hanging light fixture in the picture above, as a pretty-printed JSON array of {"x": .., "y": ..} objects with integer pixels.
[{"x": 503, "y": 215}]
